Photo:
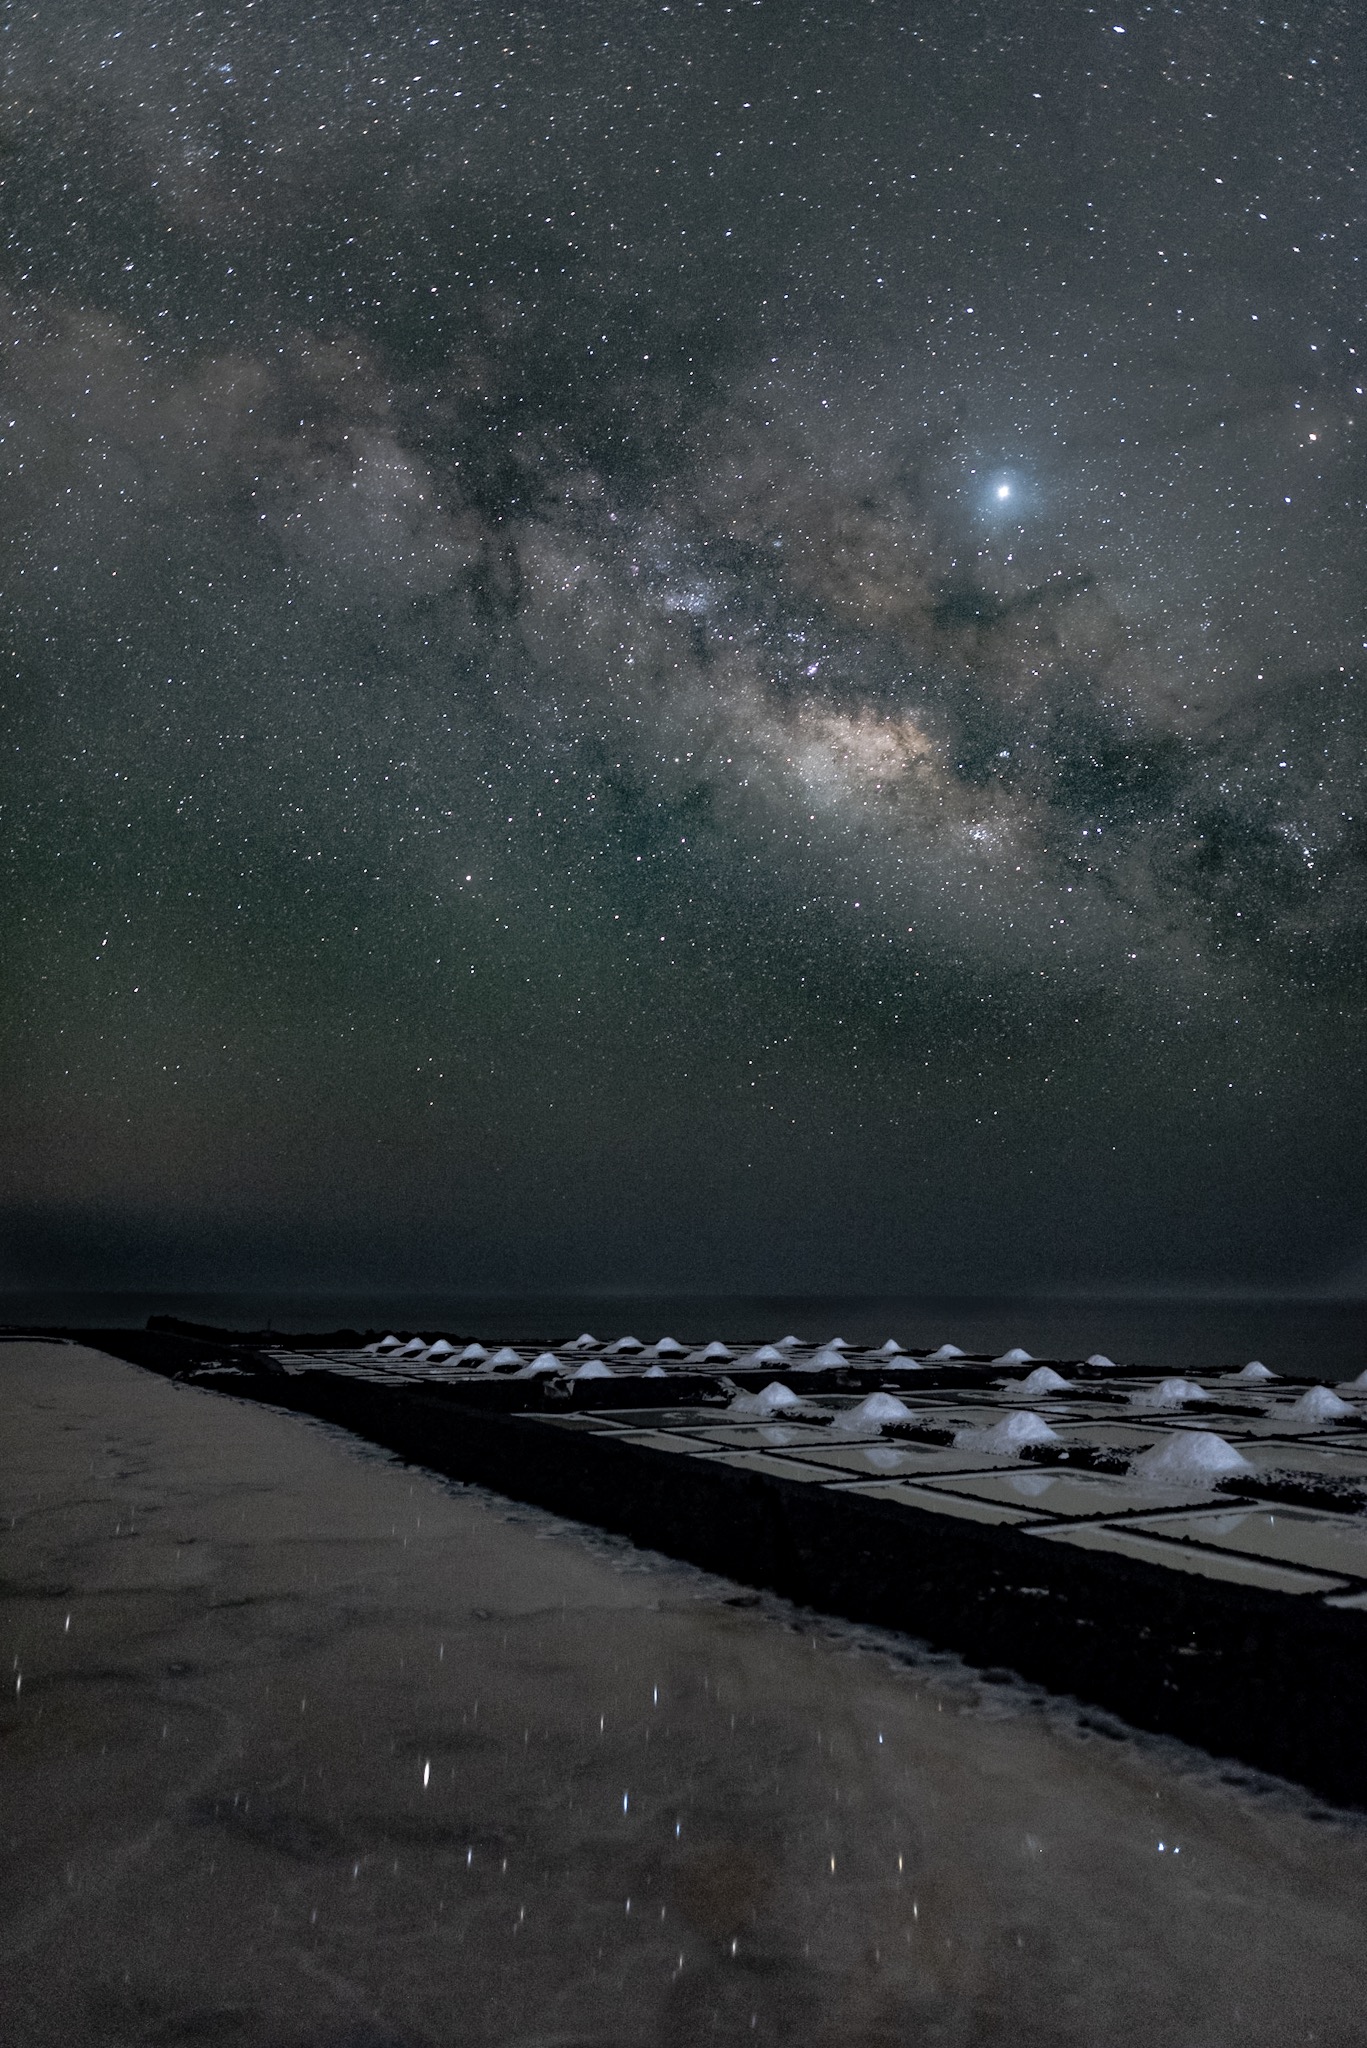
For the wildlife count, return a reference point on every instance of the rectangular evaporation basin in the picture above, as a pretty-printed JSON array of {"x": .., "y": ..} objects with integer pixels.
[
  {"x": 666, "y": 1440},
  {"x": 1307, "y": 1455},
  {"x": 1294, "y": 1536},
  {"x": 762, "y": 1435},
  {"x": 1128, "y": 1437},
  {"x": 1043, "y": 1490},
  {"x": 1237, "y": 1428},
  {"x": 767, "y": 1462},
  {"x": 844, "y": 1461},
  {"x": 1123, "y": 1539},
  {"x": 954, "y": 1507}
]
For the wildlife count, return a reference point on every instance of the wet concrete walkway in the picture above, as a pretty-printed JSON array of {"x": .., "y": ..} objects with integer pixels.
[{"x": 300, "y": 1747}]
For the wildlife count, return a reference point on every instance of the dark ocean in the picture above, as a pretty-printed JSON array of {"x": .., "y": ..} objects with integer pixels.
[{"x": 1313, "y": 1339}]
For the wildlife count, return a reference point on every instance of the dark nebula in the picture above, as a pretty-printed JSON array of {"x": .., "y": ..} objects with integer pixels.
[{"x": 684, "y": 645}]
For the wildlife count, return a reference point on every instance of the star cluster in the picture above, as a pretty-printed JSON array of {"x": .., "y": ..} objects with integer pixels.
[{"x": 699, "y": 645}]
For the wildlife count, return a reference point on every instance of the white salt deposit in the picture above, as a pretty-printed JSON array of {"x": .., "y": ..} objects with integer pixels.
[
  {"x": 670, "y": 1347},
  {"x": 507, "y": 1356},
  {"x": 876, "y": 1409},
  {"x": 626, "y": 1346},
  {"x": 1102, "y": 1362},
  {"x": 655, "y": 1372},
  {"x": 1172, "y": 1393},
  {"x": 1015, "y": 1356},
  {"x": 892, "y": 1349},
  {"x": 838, "y": 1344},
  {"x": 1254, "y": 1370},
  {"x": 1189, "y": 1457},
  {"x": 770, "y": 1400},
  {"x": 586, "y": 1341},
  {"x": 945, "y": 1352},
  {"x": 1320, "y": 1405},
  {"x": 545, "y": 1361},
  {"x": 768, "y": 1354},
  {"x": 1359, "y": 1385},
  {"x": 1043, "y": 1380},
  {"x": 790, "y": 1344},
  {"x": 716, "y": 1353},
  {"x": 385, "y": 1344},
  {"x": 823, "y": 1360},
  {"x": 414, "y": 1347},
  {"x": 593, "y": 1369},
  {"x": 441, "y": 1349},
  {"x": 1009, "y": 1436}
]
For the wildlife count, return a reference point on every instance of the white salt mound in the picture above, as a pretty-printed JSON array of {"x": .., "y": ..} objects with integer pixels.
[
  {"x": 838, "y": 1344},
  {"x": 1359, "y": 1384},
  {"x": 946, "y": 1351},
  {"x": 441, "y": 1349},
  {"x": 1254, "y": 1370},
  {"x": 770, "y": 1400},
  {"x": 626, "y": 1345},
  {"x": 1190, "y": 1457},
  {"x": 892, "y": 1349},
  {"x": 1320, "y": 1405},
  {"x": 1043, "y": 1380},
  {"x": 789, "y": 1343},
  {"x": 670, "y": 1347},
  {"x": 1101, "y": 1361},
  {"x": 412, "y": 1348},
  {"x": 655, "y": 1372},
  {"x": 1015, "y": 1356},
  {"x": 823, "y": 1360},
  {"x": 1172, "y": 1393},
  {"x": 875, "y": 1409},
  {"x": 1011, "y": 1435},
  {"x": 507, "y": 1356},
  {"x": 716, "y": 1353},
  {"x": 593, "y": 1369},
  {"x": 545, "y": 1361},
  {"x": 473, "y": 1354},
  {"x": 768, "y": 1354},
  {"x": 586, "y": 1341}
]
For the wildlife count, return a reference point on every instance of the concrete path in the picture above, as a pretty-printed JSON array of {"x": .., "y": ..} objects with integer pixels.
[{"x": 299, "y": 1747}]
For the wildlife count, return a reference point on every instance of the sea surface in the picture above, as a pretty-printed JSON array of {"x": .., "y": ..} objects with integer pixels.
[{"x": 1312, "y": 1339}]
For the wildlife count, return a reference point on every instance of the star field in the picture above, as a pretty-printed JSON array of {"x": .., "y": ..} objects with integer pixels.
[{"x": 686, "y": 644}]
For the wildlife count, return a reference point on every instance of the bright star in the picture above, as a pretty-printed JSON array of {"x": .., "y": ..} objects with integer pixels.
[{"x": 1003, "y": 490}]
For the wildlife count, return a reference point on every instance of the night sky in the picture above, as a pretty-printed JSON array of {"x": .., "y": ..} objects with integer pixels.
[{"x": 686, "y": 646}]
